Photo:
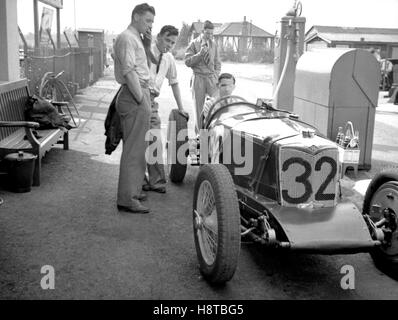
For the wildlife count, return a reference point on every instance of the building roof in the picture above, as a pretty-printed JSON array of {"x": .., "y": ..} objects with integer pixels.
[
  {"x": 197, "y": 27},
  {"x": 352, "y": 34},
  {"x": 91, "y": 30},
  {"x": 235, "y": 29}
]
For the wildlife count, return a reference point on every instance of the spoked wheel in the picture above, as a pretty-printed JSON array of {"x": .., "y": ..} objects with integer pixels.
[
  {"x": 216, "y": 222},
  {"x": 56, "y": 91},
  {"x": 177, "y": 137},
  {"x": 381, "y": 204}
]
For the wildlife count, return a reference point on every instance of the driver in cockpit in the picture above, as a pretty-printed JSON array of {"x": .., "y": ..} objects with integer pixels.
[{"x": 225, "y": 87}]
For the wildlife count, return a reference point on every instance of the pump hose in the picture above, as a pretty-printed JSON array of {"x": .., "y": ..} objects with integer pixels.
[{"x": 283, "y": 74}]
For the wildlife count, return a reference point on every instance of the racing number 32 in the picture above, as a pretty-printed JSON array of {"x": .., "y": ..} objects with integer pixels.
[{"x": 304, "y": 180}]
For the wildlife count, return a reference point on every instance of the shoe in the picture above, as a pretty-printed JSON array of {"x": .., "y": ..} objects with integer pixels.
[
  {"x": 137, "y": 208},
  {"x": 142, "y": 197},
  {"x": 160, "y": 189}
]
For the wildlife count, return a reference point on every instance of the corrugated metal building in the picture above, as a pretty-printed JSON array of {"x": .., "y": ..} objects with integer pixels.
[{"x": 383, "y": 39}]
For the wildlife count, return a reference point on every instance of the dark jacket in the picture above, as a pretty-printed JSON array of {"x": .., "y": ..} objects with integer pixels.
[
  {"x": 113, "y": 129},
  {"x": 46, "y": 114}
]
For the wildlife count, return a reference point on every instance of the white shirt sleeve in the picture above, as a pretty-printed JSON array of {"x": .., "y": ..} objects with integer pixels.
[{"x": 172, "y": 71}]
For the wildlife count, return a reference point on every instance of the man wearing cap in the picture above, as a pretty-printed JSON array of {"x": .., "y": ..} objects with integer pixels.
[
  {"x": 165, "y": 68},
  {"x": 133, "y": 106},
  {"x": 202, "y": 55}
]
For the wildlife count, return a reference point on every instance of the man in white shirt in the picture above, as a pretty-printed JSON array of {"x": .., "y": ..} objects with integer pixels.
[
  {"x": 165, "y": 68},
  {"x": 133, "y": 106}
]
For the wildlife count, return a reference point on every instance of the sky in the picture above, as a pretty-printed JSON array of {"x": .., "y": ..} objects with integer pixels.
[{"x": 114, "y": 15}]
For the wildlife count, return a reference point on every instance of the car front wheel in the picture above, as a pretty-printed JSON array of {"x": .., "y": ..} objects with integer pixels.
[
  {"x": 381, "y": 204},
  {"x": 216, "y": 220}
]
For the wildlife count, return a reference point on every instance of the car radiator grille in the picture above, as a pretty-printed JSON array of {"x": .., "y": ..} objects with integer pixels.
[{"x": 308, "y": 176}]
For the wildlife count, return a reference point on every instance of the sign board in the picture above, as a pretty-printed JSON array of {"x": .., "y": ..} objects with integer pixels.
[
  {"x": 71, "y": 38},
  {"x": 54, "y": 3},
  {"x": 46, "y": 23}
]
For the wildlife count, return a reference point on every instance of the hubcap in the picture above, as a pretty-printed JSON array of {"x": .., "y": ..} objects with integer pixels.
[
  {"x": 206, "y": 224},
  {"x": 386, "y": 198}
]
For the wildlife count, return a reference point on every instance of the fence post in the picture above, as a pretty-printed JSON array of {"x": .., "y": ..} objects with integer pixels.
[
  {"x": 91, "y": 65},
  {"x": 25, "y": 51}
]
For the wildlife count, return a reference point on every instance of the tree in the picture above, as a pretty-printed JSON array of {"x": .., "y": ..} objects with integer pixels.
[{"x": 183, "y": 38}]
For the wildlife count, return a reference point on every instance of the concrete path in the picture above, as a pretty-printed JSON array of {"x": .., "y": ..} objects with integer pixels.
[{"x": 71, "y": 223}]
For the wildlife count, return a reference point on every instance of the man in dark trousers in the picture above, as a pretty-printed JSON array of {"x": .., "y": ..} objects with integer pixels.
[
  {"x": 202, "y": 55},
  {"x": 134, "y": 107}
]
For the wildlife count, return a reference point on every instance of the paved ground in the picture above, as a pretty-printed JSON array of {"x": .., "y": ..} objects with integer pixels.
[{"x": 70, "y": 222}]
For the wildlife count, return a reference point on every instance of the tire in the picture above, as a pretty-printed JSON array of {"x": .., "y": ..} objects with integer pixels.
[
  {"x": 51, "y": 90},
  {"x": 383, "y": 184},
  {"x": 218, "y": 263},
  {"x": 176, "y": 160},
  {"x": 55, "y": 91}
]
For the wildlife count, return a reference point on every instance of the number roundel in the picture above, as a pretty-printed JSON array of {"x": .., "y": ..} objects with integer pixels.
[
  {"x": 304, "y": 179},
  {"x": 320, "y": 195}
]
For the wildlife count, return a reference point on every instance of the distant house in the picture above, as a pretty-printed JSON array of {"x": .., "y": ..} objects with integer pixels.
[
  {"x": 91, "y": 38},
  {"x": 94, "y": 38},
  {"x": 245, "y": 40},
  {"x": 383, "y": 39},
  {"x": 239, "y": 40}
]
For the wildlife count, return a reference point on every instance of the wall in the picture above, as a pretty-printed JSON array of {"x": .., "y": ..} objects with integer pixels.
[{"x": 9, "y": 37}]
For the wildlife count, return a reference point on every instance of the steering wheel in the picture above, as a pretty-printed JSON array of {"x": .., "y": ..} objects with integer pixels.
[
  {"x": 219, "y": 100},
  {"x": 222, "y": 99},
  {"x": 210, "y": 116}
]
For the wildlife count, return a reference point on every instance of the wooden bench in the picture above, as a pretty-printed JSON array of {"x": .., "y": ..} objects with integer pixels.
[{"x": 16, "y": 134}]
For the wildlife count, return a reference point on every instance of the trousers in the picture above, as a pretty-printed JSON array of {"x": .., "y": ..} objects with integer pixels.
[
  {"x": 156, "y": 172},
  {"x": 201, "y": 86},
  {"x": 134, "y": 119}
]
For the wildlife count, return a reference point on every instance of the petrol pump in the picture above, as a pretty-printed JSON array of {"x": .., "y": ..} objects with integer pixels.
[{"x": 289, "y": 46}]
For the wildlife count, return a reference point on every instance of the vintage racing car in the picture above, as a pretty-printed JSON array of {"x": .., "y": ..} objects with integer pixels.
[{"x": 290, "y": 198}]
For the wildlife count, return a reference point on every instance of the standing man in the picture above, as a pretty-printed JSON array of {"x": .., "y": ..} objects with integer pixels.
[
  {"x": 165, "y": 68},
  {"x": 202, "y": 56},
  {"x": 134, "y": 107}
]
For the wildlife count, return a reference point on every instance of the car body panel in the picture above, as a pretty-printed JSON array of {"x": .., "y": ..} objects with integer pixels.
[
  {"x": 332, "y": 230},
  {"x": 324, "y": 229},
  {"x": 273, "y": 186}
]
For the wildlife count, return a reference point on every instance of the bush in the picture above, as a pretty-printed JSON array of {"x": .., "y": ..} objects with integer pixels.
[
  {"x": 179, "y": 54},
  {"x": 229, "y": 54}
]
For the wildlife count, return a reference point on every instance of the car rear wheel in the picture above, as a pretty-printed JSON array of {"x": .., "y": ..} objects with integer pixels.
[
  {"x": 382, "y": 199},
  {"x": 177, "y": 137},
  {"x": 216, "y": 220}
]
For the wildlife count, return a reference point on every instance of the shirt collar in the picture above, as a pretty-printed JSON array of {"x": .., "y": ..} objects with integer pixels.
[
  {"x": 203, "y": 40},
  {"x": 155, "y": 49},
  {"x": 134, "y": 30}
]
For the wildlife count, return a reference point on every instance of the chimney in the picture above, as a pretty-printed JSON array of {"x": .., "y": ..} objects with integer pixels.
[{"x": 245, "y": 30}]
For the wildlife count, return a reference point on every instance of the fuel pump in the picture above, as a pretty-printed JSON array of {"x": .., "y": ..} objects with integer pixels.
[{"x": 289, "y": 46}]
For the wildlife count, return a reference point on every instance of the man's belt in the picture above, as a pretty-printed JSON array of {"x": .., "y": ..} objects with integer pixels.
[
  {"x": 204, "y": 74},
  {"x": 142, "y": 84}
]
